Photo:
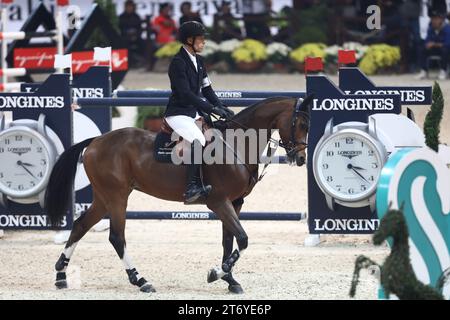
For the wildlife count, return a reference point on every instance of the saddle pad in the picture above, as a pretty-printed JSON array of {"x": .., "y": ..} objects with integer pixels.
[{"x": 163, "y": 147}]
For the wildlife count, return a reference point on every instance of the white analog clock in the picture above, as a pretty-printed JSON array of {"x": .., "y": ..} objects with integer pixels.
[
  {"x": 347, "y": 163},
  {"x": 26, "y": 158}
]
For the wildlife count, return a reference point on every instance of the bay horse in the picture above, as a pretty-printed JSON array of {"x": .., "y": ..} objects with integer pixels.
[{"x": 121, "y": 161}]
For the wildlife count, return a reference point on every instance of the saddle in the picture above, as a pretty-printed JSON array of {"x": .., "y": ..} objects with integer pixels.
[{"x": 164, "y": 145}]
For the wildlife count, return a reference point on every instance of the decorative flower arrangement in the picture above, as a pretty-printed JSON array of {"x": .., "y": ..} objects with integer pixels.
[
  {"x": 229, "y": 45},
  {"x": 278, "y": 52},
  {"x": 250, "y": 51},
  {"x": 379, "y": 56},
  {"x": 211, "y": 52},
  {"x": 168, "y": 50},
  {"x": 332, "y": 51},
  {"x": 316, "y": 50},
  {"x": 211, "y": 48}
]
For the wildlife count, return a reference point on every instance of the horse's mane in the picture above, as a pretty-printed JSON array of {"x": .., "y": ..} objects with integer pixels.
[{"x": 244, "y": 114}]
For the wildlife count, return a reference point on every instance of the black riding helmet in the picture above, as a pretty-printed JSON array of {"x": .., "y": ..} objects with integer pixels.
[{"x": 191, "y": 29}]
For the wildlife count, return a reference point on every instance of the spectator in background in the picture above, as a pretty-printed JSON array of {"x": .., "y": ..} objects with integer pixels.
[
  {"x": 410, "y": 11},
  {"x": 130, "y": 25},
  {"x": 164, "y": 26},
  {"x": 256, "y": 19},
  {"x": 437, "y": 43},
  {"x": 349, "y": 21},
  {"x": 437, "y": 6},
  {"x": 225, "y": 26},
  {"x": 188, "y": 14}
]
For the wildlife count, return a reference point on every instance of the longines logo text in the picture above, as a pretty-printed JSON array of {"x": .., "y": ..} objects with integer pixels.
[
  {"x": 346, "y": 224},
  {"x": 224, "y": 94},
  {"x": 406, "y": 95},
  {"x": 19, "y": 151},
  {"x": 41, "y": 102},
  {"x": 354, "y": 104},
  {"x": 25, "y": 220},
  {"x": 190, "y": 215},
  {"x": 87, "y": 92},
  {"x": 349, "y": 154}
]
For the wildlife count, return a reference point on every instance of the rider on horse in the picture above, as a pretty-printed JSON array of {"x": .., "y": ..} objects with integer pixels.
[{"x": 188, "y": 80}]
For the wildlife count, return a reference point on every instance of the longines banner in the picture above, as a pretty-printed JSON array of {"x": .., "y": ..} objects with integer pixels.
[{"x": 20, "y": 9}]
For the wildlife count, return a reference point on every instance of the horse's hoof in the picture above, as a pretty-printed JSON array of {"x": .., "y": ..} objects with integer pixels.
[
  {"x": 147, "y": 288},
  {"x": 236, "y": 289},
  {"x": 61, "y": 284},
  {"x": 212, "y": 275}
]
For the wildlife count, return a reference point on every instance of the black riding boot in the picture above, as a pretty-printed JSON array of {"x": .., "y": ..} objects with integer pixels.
[{"x": 194, "y": 189}]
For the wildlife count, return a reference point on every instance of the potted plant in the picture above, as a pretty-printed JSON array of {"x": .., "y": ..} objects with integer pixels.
[
  {"x": 150, "y": 118},
  {"x": 315, "y": 50},
  {"x": 379, "y": 57},
  {"x": 278, "y": 56},
  {"x": 164, "y": 56},
  {"x": 250, "y": 55},
  {"x": 226, "y": 48}
]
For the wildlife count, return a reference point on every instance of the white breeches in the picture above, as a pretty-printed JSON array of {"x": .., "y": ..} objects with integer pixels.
[{"x": 187, "y": 128}]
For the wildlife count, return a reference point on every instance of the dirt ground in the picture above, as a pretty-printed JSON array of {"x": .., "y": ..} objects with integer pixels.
[{"x": 176, "y": 255}]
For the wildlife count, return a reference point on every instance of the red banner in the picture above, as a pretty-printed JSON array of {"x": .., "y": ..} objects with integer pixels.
[
  {"x": 346, "y": 56},
  {"x": 44, "y": 58}
]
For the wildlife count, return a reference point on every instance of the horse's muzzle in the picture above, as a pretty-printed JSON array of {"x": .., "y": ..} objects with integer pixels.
[{"x": 300, "y": 160}]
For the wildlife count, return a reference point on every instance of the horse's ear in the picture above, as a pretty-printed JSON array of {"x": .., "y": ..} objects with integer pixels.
[{"x": 305, "y": 106}]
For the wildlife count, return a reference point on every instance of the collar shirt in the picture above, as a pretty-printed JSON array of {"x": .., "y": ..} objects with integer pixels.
[{"x": 193, "y": 58}]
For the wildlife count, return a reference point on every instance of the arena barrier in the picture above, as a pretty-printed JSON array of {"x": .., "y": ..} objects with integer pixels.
[
  {"x": 356, "y": 86},
  {"x": 320, "y": 218},
  {"x": 220, "y": 94},
  {"x": 56, "y": 35},
  {"x": 205, "y": 215}
]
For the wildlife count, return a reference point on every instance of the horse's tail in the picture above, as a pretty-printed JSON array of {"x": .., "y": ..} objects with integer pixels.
[{"x": 60, "y": 186}]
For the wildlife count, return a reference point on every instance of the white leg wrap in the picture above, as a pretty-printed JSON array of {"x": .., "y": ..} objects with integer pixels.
[{"x": 69, "y": 251}]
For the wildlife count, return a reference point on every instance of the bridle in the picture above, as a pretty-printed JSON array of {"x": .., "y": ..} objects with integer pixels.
[{"x": 292, "y": 146}]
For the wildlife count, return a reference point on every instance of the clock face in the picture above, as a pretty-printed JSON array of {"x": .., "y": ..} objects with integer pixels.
[
  {"x": 348, "y": 166},
  {"x": 25, "y": 163}
]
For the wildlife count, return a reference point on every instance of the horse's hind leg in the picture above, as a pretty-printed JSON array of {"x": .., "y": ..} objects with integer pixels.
[
  {"x": 226, "y": 213},
  {"x": 117, "y": 239},
  {"x": 82, "y": 225},
  {"x": 227, "y": 243}
]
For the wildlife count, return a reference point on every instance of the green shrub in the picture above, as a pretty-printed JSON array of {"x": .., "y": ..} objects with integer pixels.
[
  {"x": 433, "y": 119},
  {"x": 148, "y": 113}
]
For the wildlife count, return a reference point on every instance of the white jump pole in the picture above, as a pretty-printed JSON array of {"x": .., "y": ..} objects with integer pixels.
[
  {"x": 59, "y": 33},
  {"x": 4, "y": 44}
]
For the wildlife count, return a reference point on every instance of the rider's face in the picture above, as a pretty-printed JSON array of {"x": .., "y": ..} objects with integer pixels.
[{"x": 199, "y": 44}]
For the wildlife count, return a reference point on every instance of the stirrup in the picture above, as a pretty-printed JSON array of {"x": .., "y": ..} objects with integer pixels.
[{"x": 202, "y": 192}]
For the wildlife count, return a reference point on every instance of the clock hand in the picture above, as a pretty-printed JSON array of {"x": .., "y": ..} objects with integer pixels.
[
  {"x": 27, "y": 164},
  {"x": 358, "y": 168},
  {"x": 359, "y": 174},
  {"x": 21, "y": 164}
]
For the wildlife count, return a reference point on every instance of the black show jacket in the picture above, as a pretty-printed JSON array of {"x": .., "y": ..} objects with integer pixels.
[{"x": 187, "y": 85}]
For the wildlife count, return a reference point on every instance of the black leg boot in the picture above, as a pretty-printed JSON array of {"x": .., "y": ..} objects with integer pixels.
[{"x": 194, "y": 189}]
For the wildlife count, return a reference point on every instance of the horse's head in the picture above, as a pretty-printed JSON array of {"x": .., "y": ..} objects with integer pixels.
[
  {"x": 293, "y": 131},
  {"x": 393, "y": 225}
]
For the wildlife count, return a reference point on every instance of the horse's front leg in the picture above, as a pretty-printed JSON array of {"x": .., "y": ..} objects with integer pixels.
[
  {"x": 227, "y": 214},
  {"x": 227, "y": 243},
  {"x": 362, "y": 262}
]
